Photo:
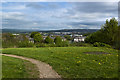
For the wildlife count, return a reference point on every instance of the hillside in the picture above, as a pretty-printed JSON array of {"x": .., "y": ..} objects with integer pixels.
[{"x": 64, "y": 30}]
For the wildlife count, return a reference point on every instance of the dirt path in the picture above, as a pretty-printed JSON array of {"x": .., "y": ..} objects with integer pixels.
[{"x": 45, "y": 70}]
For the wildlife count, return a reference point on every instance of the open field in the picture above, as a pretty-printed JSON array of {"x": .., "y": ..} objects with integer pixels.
[
  {"x": 17, "y": 68},
  {"x": 72, "y": 62}
]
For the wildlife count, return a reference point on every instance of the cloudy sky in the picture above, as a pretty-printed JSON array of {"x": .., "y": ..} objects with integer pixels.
[{"x": 57, "y": 15}]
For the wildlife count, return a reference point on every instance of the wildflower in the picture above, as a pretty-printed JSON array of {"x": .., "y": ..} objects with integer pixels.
[
  {"x": 117, "y": 55},
  {"x": 99, "y": 63},
  {"x": 78, "y": 61}
]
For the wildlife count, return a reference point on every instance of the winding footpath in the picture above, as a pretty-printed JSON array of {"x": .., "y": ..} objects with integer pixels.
[{"x": 45, "y": 70}]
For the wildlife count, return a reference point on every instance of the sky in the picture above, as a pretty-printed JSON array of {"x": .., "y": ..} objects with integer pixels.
[{"x": 56, "y": 15}]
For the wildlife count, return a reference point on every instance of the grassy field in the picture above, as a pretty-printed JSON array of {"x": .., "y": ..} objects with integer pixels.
[
  {"x": 17, "y": 68},
  {"x": 72, "y": 62}
]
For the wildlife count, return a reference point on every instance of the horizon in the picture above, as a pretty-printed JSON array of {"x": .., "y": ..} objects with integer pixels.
[
  {"x": 48, "y": 30},
  {"x": 57, "y": 15}
]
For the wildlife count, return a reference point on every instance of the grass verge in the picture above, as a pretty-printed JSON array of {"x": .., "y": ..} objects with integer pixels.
[
  {"x": 72, "y": 62},
  {"x": 17, "y": 68}
]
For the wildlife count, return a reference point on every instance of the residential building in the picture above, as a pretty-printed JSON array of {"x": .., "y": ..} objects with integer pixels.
[{"x": 79, "y": 39}]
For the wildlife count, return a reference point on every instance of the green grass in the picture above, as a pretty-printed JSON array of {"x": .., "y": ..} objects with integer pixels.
[
  {"x": 72, "y": 62},
  {"x": 17, "y": 68}
]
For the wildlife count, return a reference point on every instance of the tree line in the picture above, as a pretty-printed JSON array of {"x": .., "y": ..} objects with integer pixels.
[
  {"x": 38, "y": 39},
  {"x": 108, "y": 34},
  {"x": 9, "y": 40}
]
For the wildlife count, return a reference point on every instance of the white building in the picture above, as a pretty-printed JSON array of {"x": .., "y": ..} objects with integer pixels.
[
  {"x": 79, "y": 39},
  {"x": 15, "y": 34}
]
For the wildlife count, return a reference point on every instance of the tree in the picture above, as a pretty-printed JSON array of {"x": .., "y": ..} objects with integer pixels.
[
  {"x": 9, "y": 40},
  {"x": 58, "y": 41},
  {"x": 110, "y": 28},
  {"x": 117, "y": 38},
  {"x": 68, "y": 37},
  {"x": 22, "y": 37},
  {"x": 65, "y": 43},
  {"x": 86, "y": 34},
  {"x": 48, "y": 40},
  {"x": 38, "y": 38},
  {"x": 107, "y": 34},
  {"x": 33, "y": 34}
]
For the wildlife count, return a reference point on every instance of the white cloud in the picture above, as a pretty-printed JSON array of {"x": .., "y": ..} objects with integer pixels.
[
  {"x": 35, "y": 23},
  {"x": 61, "y": 18},
  {"x": 13, "y": 15},
  {"x": 14, "y": 7}
]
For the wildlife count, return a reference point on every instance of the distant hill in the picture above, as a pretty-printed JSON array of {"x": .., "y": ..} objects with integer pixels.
[
  {"x": 64, "y": 30},
  {"x": 73, "y": 30},
  {"x": 16, "y": 31}
]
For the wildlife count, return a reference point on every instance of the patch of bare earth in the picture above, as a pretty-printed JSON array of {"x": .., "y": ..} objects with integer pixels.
[
  {"x": 96, "y": 53},
  {"x": 45, "y": 70}
]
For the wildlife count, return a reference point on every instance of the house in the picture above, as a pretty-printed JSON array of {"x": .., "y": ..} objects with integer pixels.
[
  {"x": 63, "y": 39},
  {"x": 79, "y": 39},
  {"x": 52, "y": 38},
  {"x": 77, "y": 35},
  {"x": 44, "y": 37},
  {"x": 31, "y": 40}
]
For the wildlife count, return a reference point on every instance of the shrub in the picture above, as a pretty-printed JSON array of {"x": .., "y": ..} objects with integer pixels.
[
  {"x": 82, "y": 44},
  {"x": 107, "y": 34},
  {"x": 99, "y": 44},
  {"x": 65, "y": 44},
  {"x": 58, "y": 40},
  {"x": 25, "y": 44},
  {"x": 48, "y": 40},
  {"x": 40, "y": 45},
  {"x": 38, "y": 38},
  {"x": 33, "y": 34},
  {"x": 68, "y": 37},
  {"x": 96, "y": 44},
  {"x": 45, "y": 45}
]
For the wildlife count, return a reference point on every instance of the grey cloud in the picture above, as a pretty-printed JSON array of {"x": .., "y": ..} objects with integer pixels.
[
  {"x": 39, "y": 5},
  {"x": 86, "y": 23},
  {"x": 90, "y": 10},
  {"x": 98, "y": 24},
  {"x": 19, "y": 24},
  {"x": 94, "y": 7},
  {"x": 78, "y": 15},
  {"x": 35, "y": 5},
  {"x": 53, "y": 5}
]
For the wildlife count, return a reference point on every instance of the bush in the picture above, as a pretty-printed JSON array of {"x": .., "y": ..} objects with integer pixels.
[
  {"x": 38, "y": 38},
  {"x": 50, "y": 45},
  {"x": 26, "y": 44},
  {"x": 48, "y": 40},
  {"x": 99, "y": 44},
  {"x": 107, "y": 34},
  {"x": 65, "y": 44},
  {"x": 96, "y": 44},
  {"x": 58, "y": 40},
  {"x": 40, "y": 45},
  {"x": 45, "y": 45},
  {"x": 81, "y": 44}
]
